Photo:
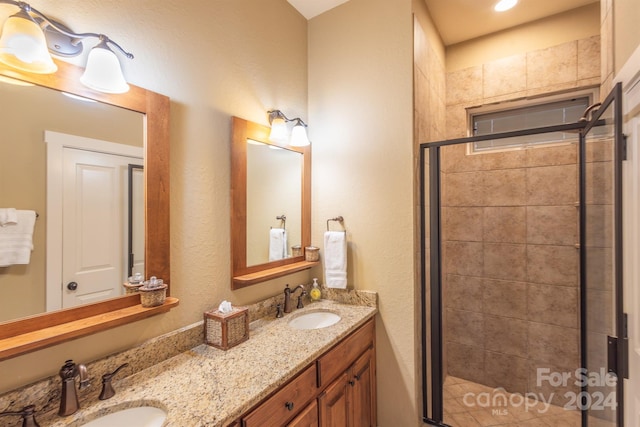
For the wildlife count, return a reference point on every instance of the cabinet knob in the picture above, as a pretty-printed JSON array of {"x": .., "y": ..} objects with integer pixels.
[
  {"x": 72, "y": 286},
  {"x": 289, "y": 405},
  {"x": 352, "y": 383},
  {"x": 357, "y": 377}
]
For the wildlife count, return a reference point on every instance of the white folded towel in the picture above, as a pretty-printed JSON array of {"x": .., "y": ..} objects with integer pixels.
[
  {"x": 8, "y": 216},
  {"x": 335, "y": 259},
  {"x": 277, "y": 244},
  {"x": 16, "y": 240}
]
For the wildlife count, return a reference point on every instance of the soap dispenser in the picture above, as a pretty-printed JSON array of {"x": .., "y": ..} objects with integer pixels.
[{"x": 315, "y": 293}]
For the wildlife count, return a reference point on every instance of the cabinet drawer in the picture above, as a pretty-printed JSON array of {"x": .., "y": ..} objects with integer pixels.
[
  {"x": 287, "y": 401},
  {"x": 338, "y": 359},
  {"x": 307, "y": 418}
]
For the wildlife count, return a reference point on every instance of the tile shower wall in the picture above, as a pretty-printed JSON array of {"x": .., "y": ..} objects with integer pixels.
[
  {"x": 510, "y": 226},
  {"x": 429, "y": 97}
]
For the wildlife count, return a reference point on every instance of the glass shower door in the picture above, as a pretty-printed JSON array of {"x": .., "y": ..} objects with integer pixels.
[{"x": 603, "y": 326}]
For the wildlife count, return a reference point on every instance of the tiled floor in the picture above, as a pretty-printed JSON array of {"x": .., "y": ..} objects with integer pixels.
[{"x": 467, "y": 404}]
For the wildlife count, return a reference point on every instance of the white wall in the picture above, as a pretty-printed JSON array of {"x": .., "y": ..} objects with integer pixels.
[{"x": 360, "y": 92}]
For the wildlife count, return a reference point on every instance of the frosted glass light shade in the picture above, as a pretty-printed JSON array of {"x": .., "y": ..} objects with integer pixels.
[
  {"x": 278, "y": 130},
  {"x": 299, "y": 136},
  {"x": 23, "y": 46},
  {"x": 103, "y": 72}
]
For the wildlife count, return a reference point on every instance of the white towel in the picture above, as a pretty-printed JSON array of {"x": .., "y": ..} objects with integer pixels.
[
  {"x": 16, "y": 240},
  {"x": 8, "y": 216},
  {"x": 277, "y": 244},
  {"x": 335, "y": 259}
]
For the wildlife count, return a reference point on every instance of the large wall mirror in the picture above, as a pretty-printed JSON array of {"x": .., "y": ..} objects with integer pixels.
[
  {"x": 36, "y": 117},
  {"x": 270, "y": 205}
]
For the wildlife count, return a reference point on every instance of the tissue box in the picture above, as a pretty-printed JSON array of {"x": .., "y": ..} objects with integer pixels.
[{"x": 225, "y": 330}]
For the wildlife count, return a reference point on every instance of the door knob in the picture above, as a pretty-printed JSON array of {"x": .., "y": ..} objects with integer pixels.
[{"x": 72, "y": 286}]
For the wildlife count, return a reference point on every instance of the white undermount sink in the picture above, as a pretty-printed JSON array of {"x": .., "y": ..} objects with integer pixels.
[
  {"x": 142, "y": 416},
  {"x": 314, "y": 320}
]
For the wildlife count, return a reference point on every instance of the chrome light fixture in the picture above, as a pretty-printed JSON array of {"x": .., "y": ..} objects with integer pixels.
[
  {"x": 280, "y": 133},
  {"x": 29, "y": 36}
]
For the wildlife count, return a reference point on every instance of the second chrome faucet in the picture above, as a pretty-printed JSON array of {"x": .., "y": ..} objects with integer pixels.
[
  {"x": 69, "y": 398},
  {"x": 287, "y": 297}
]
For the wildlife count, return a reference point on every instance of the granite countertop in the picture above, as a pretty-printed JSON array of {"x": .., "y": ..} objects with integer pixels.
[{"x": 206, "y": 386}]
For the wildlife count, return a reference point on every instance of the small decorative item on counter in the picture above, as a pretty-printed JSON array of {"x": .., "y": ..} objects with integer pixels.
[
  {"x": 133, "y": 284},
  {"x": 153, "y": 293},
  {"x": 315, "y": 294},
  {"x": 296, "y": 250},
  {"x": 227, "y": 326},
  {"x": 312, "y": 253}
]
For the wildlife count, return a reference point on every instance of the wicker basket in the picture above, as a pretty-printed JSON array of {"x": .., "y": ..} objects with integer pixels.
[{"x": 225, "y": 330}]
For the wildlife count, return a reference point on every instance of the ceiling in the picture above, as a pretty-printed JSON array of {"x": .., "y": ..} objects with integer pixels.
[
  {"x": 460, "y": 20},
  {"x": 311, "y": 8}
]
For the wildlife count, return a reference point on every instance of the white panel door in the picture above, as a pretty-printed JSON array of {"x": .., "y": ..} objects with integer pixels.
[
  {"x": 629, "y": 76},
  {"x": 137, "y": 221},
  {"x": 632, "y": 273},
  {"x": 94, "y": 211}
]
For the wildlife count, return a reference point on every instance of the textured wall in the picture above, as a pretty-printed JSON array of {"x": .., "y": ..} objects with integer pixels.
[
  {"x": 214, "y": 59},
  {"x": 360, "y": 89}
]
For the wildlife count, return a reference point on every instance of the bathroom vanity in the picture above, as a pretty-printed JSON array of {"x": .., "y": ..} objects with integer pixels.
[
  {"x": 280, "y": 376},
  {"x": 337, "y": 389}
]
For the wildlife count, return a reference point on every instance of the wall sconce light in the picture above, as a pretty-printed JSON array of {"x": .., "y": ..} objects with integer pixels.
[
  {"x": 29, "y": 36},
  {"x": 279, "y": 132}
]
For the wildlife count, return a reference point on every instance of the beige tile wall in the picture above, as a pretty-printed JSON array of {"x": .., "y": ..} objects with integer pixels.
[
  {"x": 429, "y": 100},
  {"x": 510, "y": 226}
]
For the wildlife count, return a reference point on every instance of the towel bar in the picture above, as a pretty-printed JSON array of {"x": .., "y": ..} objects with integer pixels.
[
  {"x": 283, "y": 218},
  {"x": 339, "y": 219}
]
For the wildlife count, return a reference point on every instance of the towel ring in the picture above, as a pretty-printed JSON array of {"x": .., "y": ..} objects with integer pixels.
[
  {"x": 283, "y": 218},
  {"x": 339, "y": 219}
]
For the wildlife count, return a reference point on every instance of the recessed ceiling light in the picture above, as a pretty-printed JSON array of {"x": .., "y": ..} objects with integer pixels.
[{"x": 503, "y": 5}]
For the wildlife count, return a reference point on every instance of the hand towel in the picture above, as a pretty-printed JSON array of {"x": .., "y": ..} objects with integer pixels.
[
  {"x": 8, "y": 216},
  {"x": 335, "y": 259},
  {"x": 277, "y": 244},
  {"x": 16, "y": 240}
]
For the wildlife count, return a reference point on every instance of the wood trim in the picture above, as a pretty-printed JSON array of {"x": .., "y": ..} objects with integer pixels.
[
  {"x": 156, "y": 176},
  {"x": 68, "y": 329},
  {"x": 25, "y": 335},
  {"x": 271, "y": 273},
  {"x": 241, "y": 274}
]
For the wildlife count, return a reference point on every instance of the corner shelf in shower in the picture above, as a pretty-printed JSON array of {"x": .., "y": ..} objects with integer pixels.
[{"x": 272, "y": 273}]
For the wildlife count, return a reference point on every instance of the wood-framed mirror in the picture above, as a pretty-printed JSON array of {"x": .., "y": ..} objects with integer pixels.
[
  {"x": 33, "y": 332},
  {"x": 270, "y": 191}
]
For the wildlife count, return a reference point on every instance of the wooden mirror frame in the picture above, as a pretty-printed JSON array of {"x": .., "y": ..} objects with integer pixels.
[
  {"x": 241, "y": 274},
  {"x": 44, "y": 330}
]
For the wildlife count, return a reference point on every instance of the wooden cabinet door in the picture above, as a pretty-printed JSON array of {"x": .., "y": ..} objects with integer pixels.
[
  {"x": 363, "y": 390},
  {"x": 333, "y": 403},
  {"x": 307, "y": 418}
]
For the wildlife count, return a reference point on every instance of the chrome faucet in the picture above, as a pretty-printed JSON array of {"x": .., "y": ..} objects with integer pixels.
[
  {"x": 27, "y": 414},
  {"x": 69, "y": 398},
  {"x": 287, "y": 298},
  {"x": 107, "y": 388}
]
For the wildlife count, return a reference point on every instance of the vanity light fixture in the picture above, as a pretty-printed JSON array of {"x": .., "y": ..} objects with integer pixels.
[
  {"x": 279, "y": 131},
  {"x": 29, "y": 37},
  {"x": 504, "y": 5}
]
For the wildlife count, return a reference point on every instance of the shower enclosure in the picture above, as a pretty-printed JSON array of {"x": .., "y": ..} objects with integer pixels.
[{"x": 522, "y": 277}]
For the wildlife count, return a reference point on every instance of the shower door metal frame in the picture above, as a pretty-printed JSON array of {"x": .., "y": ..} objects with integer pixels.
[
  {"x": 618, "y": 351},
  {"x": 432, "y": 285}
]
